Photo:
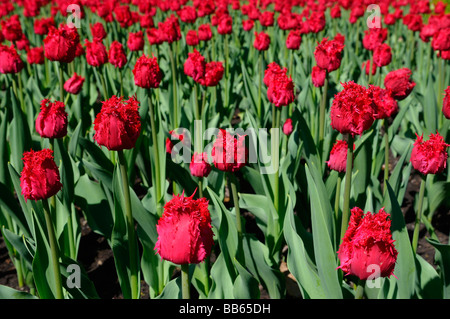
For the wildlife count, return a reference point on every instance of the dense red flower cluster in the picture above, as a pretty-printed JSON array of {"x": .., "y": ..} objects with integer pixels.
[
  {"x": 280, "y": 87},
  {"x": 202, "y": 72}
]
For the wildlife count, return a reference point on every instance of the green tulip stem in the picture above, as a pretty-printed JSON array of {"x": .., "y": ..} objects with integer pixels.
[
  {"x": 419, "y": 214},
  {"x": 54, "y": 250},
  {"x": 185, "y": 282},
  {"x": 61, "y": 82},
  {"x": 323, "y": 103},
  {"x": 174, "y": 88},
  {"x": 338, "y": 196},
  {"x": 348, "y": 186},
  {"x": 386, "y": 154},
  {"x": 261, "y": 75},
  {"x": 132, "y": 249},
  {"x": 155, "y": 154}
]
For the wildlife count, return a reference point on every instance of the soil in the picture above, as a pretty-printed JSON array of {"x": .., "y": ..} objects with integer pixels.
[{"x": 97, "y": 259}]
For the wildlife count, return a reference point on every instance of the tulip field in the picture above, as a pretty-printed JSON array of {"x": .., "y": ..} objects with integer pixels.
[{"x": 224, "y": 149}]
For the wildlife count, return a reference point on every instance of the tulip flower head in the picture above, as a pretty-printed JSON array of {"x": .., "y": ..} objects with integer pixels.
[
  {"x": 367, "y": 244},
  {"x": 185, "y": 234},
  {"x": 118, "y": 124},
  {"x": 40, "y": 177},
  {"x": 429, "y": 157}
]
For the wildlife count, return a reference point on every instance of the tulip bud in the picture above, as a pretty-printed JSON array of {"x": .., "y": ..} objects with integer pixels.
[{"x": 74, "y": 84}]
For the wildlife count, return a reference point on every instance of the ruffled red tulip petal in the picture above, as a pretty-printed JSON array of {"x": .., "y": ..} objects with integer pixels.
[
  {"x": 374, "y": 37},
  {"x": 10, "y": 61},
  {"x": 199, "y": 166},
  {"x": 136, "y": 41},
  {"x": 213, "y": 74},
  {"x": 36, "y": 55},
  {"x": 338, "y": 156},
  {"x": 367, "y": 243},
  {"x": 446, "y": 103},
  {"x": 40, "y": 177},
  {"x": 293, "y": 40},
  {"x": 147, "y": 73},
  {"x": 318, "y": 76},
  {"x": 170, "y": 29},
  {"x": 273, "y": 69},
  {"x": 98, "y": 31},
  {"x": 382, "y": 55},
  {"x": 400, "y": 83},
  {"x": 185, "y": 234},
  {"x": 352, "y": 111},
  {"x": 61, "y": 44},
  {"x": 74, "y": 84},
  {"x": 262, "y": 41},
  {"x": 118, "y": 124},
  {"x": 96, "y": 54},
  {"x": 429, "y": 157},
  {"x": 328, "y": 54},
  {"x": 288, "y": 127},
  {"x": 11, "y": 28},
  {"x": 51, "y": 121},
  {"x": 384, "y": 104},
  {"x": 229, "y": 153},
  {"x": 281, "y": 91},
  {"x": 441, "y": 40},
  {"x": 195, "y": 66},
  {"x": 116, "y": 55},
  {"x": 204, "y": 32}
]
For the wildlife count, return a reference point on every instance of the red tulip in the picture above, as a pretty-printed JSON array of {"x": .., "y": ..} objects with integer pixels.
[
  {"x": 195, "y": 66},
  {"x": 384, "y": 104},
  {"x": 41, "y": 26},
  {"x": 400, "y": 83},
  {"x": 229, "y": 153},
  {"x": 338, "y": 156},
  {"x": 184, "y": 230},
  {"x": 98, "y": 31},
  {"x": 294, "y": 39},
  {"x": 147, "y": 73},
  {"x": 367, "y": 66},
  {"x": 328, "y": 54},
  {"x": 367, "y": 243},
  {"x": 11, "y": 28},
  {"x": 118, "y": 124},
  {"x": 170, "y": 29},
  {"x": 10, "y": 61},
  {"x": 429, "y": 157},
  {"x": 51, "y": 121},
  {"x": 272, "y": 70},
  {"x": 61, "y": 44},
  {"x": 36, "y": 55},
  {"x": 446, "y": 103},
  {"x": 96, "y": 54},
  {"x": 154, "y": 36},
  {"x": 213, "y": 74},
  {"x": 174, "y": 135},
  {"x": 40, "y": 177},
  {"x": 123, "y": 15},
  {"x": 136, "y": 41},
  {"x": 262, "y": 41},
  {"x": 281, "y": 91},
  {"x": 187, "y": 14},
  {"x": 352, "y": 111},
  {"x": 441, "y": 40},
  {"x": 192, "y": 38},
  {"x": 116, "y": 55},
  {"x": 318, "y": 76},
  {"x": 288, "y": 127},
  {"x": 247, "y": 25},
  {"x": 266, "y": 18},
  {"x": 204, "y": 32},
  {"x": 199, "y": 166},
  {"x": 374, "y": 37},
  {"x": 382, "y": 55},
  {"x": 74, "y": 84},
  {"x": 225, "y": 25}
]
